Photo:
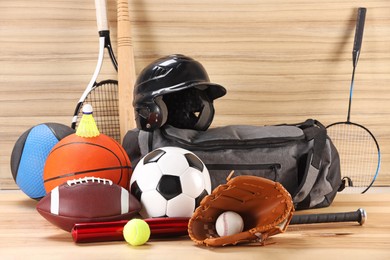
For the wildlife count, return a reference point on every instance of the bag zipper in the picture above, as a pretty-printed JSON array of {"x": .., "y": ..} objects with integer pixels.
[
  {"x": 231, "y": 144},
  {"x": 262, "y": 166}
]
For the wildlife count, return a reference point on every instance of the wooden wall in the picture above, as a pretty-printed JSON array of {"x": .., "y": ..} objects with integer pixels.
[{"x": 280, "y": 60}]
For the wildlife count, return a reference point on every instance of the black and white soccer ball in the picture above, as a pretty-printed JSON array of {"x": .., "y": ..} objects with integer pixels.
[{"x": 170, "y": 182}]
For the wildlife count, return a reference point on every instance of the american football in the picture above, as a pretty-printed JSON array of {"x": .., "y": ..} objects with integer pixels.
[
  {"x": 170, "y": 182},
  {"x": 88, "y": 199}
]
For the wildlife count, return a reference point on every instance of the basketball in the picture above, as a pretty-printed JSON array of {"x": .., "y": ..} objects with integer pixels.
[
  {"x": 30, "y": 153},
  {"x": 77, "y": 157}
]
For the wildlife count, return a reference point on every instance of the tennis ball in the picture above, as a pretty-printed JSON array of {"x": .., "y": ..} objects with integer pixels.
[{"x": 136, "y": 232}]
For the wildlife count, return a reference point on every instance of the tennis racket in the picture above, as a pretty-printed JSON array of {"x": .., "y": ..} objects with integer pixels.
[
  {"x": 358, "y": 149},
  {"x": 103, "y": 95}
]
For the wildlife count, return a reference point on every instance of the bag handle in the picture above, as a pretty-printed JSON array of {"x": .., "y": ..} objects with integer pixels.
[{"x": 315, "y": 131}]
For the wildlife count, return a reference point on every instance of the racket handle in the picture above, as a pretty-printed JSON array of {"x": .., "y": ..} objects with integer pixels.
[
  {"x": 359, "y": 216},
  {"x": 113, "y": 231},
  {"x": 357, "y": 44},
  {"x": 101, "y": 15}
]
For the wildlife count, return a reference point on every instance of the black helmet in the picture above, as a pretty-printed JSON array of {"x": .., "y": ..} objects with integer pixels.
[{"x": 175, "y": 90}]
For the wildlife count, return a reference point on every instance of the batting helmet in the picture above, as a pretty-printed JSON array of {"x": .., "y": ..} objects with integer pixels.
[{"x": 175, "y": 90}]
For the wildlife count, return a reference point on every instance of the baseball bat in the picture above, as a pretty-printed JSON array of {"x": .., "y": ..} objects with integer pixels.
[
  {"x": 126, "y": 68},
  {"x": 172, "y": 227}
]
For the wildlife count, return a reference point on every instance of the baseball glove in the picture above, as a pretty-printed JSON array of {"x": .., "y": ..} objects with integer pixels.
[{"x": 265, "y": 206}]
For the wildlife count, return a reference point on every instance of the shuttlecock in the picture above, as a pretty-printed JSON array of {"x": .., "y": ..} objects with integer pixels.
[{"x": 87, "y": 127}]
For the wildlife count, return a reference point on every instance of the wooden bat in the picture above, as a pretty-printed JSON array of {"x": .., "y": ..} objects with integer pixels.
[{"x": 126, "y": 68}]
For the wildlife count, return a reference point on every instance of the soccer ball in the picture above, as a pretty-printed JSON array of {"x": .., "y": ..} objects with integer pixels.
[{"x": 170, "y": 182}]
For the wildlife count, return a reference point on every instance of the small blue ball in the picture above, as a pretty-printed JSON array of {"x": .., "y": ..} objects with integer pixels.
[{"x": 30, "y": 153}]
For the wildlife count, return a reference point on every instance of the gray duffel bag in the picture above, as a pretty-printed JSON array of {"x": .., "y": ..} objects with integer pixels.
[{"x": 300, "y": 156}]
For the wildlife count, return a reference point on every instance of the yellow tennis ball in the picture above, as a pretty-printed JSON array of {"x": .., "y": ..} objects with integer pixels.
[{"x": 136, "y": 232}]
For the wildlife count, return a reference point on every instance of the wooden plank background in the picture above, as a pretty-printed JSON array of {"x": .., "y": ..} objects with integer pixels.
[{"x": 281, "y": 61}]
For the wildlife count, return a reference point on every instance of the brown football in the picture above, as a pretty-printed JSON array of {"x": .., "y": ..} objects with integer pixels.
[{"x": 89, "y": 199}]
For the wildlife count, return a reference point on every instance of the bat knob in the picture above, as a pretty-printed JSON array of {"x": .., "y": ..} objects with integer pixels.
[{"x": 363, "y": 216}]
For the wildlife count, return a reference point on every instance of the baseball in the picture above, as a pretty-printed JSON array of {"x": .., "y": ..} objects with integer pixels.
[{"x": 229, "y": 223}]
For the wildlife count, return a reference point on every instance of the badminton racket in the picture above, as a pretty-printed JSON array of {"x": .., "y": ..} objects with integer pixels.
[
  {"x": 358, "y": 149},
  {"x": 103, "y": 95}
]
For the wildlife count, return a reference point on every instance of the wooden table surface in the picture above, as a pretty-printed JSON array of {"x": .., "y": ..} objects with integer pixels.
[{"x": 24, "y": 234}]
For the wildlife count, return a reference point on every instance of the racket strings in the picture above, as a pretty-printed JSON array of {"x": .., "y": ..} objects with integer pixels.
[
  {"x": 358, "y": 153},
  {"x": 104, "y": 100}
]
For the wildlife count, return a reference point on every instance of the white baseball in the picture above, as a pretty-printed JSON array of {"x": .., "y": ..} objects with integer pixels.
[{"x": 229, "y": 223}]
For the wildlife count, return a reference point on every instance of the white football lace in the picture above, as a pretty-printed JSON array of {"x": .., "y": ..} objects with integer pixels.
[{"x": 89, "y": 179}]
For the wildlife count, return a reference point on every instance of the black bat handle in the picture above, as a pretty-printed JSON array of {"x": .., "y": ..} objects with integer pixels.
[{"x": 359, "y": 216}]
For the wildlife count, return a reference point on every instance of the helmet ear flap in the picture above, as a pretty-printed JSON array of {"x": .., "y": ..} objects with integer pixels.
[
  {"x": 163, "y": 109},
  {"x": 152, "y": 116},
  {"x": 205, "y": 116}
]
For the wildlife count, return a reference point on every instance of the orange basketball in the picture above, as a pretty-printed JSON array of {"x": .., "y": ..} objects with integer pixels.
[{"x": 77, "y": 157}]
